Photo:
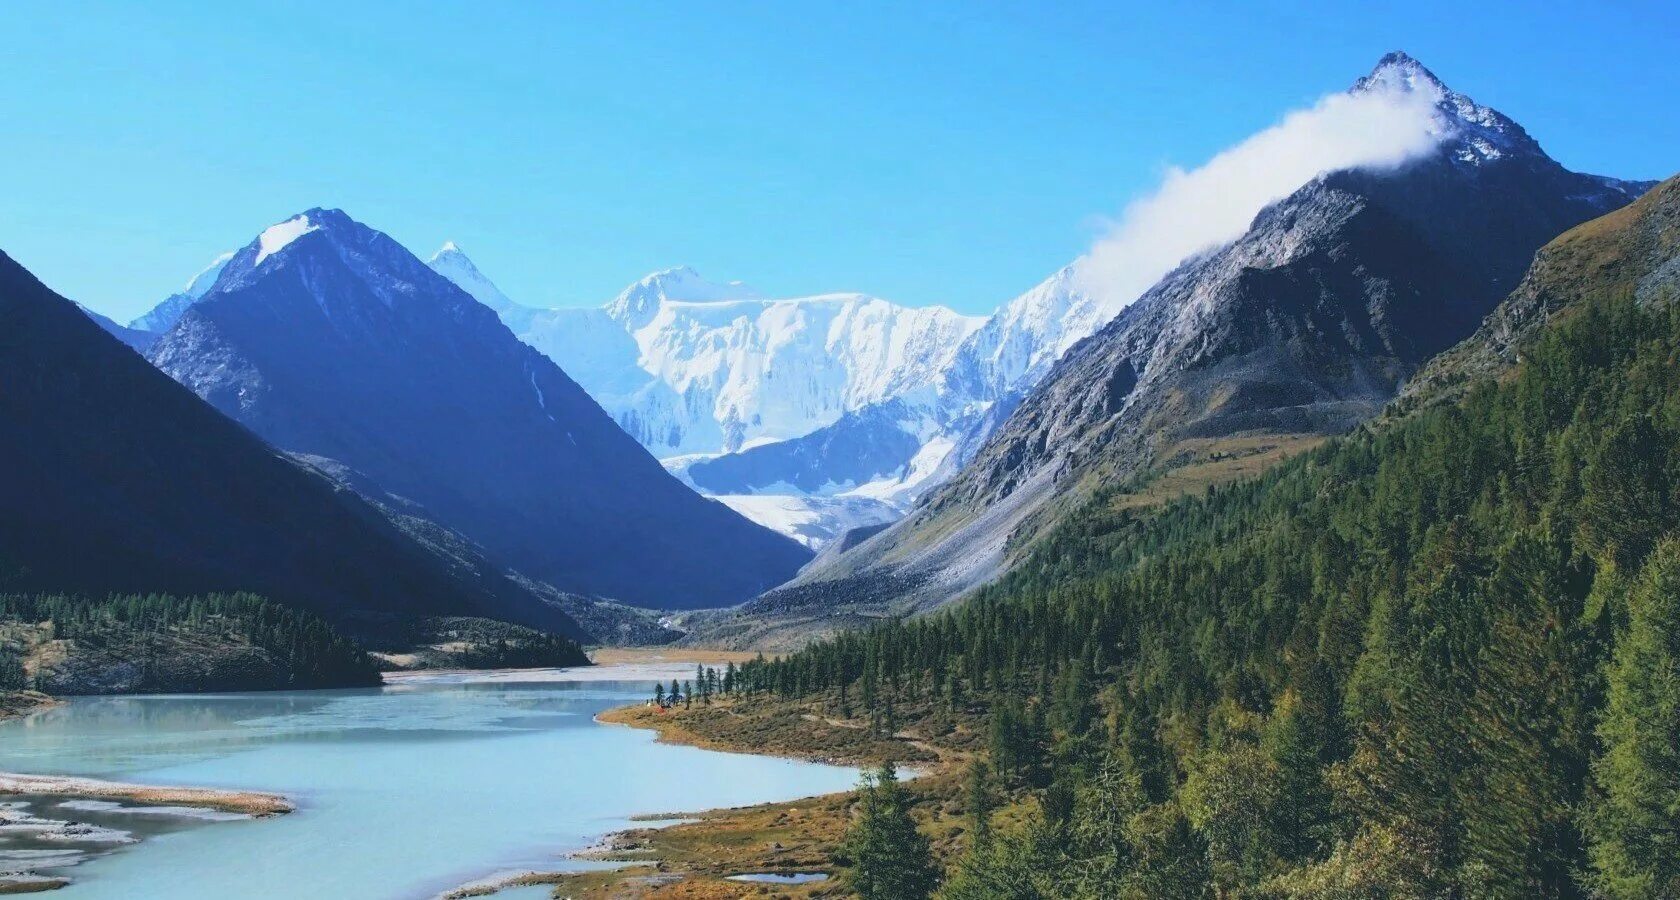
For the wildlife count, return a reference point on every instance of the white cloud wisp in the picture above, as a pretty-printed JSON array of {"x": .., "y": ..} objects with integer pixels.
[{"x": 1213, "y": 204}]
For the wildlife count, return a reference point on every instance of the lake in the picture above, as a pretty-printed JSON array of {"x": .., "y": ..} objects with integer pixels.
[{"x": 402, "y": 792}]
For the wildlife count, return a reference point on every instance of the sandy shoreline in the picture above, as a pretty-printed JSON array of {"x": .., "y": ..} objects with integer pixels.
[{"x": 251, "y": 803}]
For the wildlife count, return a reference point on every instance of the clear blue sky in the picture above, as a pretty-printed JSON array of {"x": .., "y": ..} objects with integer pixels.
[{"x": 949, "y": 153}]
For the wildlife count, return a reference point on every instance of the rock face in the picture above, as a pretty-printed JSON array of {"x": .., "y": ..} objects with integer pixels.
[
  {"x": 118, "y": 480},
  {"x": 328, "y": 338},
  {"x": 1307, "y": 324}
]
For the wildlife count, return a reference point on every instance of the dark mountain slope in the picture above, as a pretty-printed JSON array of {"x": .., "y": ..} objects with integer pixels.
[
  {"x": 141, "y": 341},
  {"x": 113, "y": 478},
  {"x": 1632, "y": 251},
  {"x": 1305, "y": 325},
  {"x": 330, "y": 339}
]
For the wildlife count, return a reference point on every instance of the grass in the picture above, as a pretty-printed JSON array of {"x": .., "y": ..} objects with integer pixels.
[
  {"x": 613, "y": 656},
  {"x": 691, "y": 860},
  {"x": 1196, "y": 465}
]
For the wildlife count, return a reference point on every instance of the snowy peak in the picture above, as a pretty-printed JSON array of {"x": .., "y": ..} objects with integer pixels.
[
  {"x": 163, "y": 316},
  {"x": 276, "y": 237},
  {"x": 364, "y": 248},
  {"x": 636, "y": 304},
  {"x": 1399, "y": 70},
  {"x": 452, "y": 262},
  {"x": 1481, "y": 133},
  {"x": 206, "y": 278}
]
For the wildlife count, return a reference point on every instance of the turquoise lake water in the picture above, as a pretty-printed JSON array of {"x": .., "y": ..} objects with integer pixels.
[{"x": 402, "y": 792}]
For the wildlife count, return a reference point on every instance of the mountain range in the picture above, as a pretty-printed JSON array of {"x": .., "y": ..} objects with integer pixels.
[
  {"x": 119, "y": 480},
  {"x": 330, "y": 340},
  {"x": 1304, "y": 326},
  {"x": 823, "y": 414}
]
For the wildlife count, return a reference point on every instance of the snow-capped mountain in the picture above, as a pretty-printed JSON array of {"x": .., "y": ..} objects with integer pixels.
[
  {"x": 695, "y": 369},
  {"x": 1024, "y": 338},
  {"x": 163, "y": 316},
  {"x": 119, "y": 480},
  {"x": 690, "y": 366},
  {"x": 1001, "y": 361},
  {"x": 880, "y": 458},
  {"x": 329, "y": 339}
]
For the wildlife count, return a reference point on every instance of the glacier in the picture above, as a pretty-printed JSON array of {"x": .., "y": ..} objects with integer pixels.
[{"x": 812, "y": 414}]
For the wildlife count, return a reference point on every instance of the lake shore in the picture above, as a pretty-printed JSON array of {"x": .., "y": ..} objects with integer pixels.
[
  {"x": 16, "y": 704},
  {"x": 695, "y": 858}
]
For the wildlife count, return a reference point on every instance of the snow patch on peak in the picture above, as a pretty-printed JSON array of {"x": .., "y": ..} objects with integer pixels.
[
  {"x": 206, "y": 279},
  {"x": 1398, "y": 71},
  {"x": 276, "y": 237},
  {"x": 163, "y": 317},
  {"x": 1482, "y": 132},
  {"x": 636, "y": 304},
  {"x": 453, "y": 263}
]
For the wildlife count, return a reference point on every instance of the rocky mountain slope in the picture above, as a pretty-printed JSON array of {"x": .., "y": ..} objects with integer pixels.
[
  {"x": 1305, "y": 325},
  {"x": 328, "y": 338},
  {"x": 116, "y": 479}
]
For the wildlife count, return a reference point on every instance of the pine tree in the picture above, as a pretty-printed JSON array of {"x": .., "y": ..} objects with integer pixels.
[
  {"x": 888, "y": 859},
  {"x": 980, "y": 800},
  {"x": 1636, "y": 825}
]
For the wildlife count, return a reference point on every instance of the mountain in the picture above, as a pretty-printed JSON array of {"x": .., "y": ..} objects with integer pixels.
[
  {"x": 118, "y": 480},
  {"x": 1432, "y": 658},
  {"x": 328, "y": 338},
  {"x": 163, "y": 316},
  {"x": 698, "y": 372},
  {"x": 690, "y": 366},
  {"x": 920, "y": 437},
  {"x": 140, "y": 341},
  {"x": 1024, "y": 338},
  {"x": 1304, "y": 326},
  {"x": 1634, "y": 251}
]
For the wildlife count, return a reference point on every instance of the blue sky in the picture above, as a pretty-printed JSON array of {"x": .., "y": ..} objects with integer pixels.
[{"x": 941, "y": 153}]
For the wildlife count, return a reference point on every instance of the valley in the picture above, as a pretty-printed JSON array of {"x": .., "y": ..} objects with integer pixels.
[{"x": 1311, "y": 533}]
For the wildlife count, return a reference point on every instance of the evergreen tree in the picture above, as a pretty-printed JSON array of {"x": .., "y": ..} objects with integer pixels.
[
  {"x": 980, "y": 800},
  {"x": 1636, "y": 825},
  {"x": 887, "y": 858}
]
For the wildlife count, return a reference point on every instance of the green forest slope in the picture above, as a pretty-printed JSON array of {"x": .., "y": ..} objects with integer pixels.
[{"x": 1437, "y": 658}]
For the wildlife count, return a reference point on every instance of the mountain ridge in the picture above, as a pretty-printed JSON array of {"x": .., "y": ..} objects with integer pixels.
[
  {"x": 1307, "y": 324},
  {"x": 331, "y": 339},
  {"x": 130, "y": 483}
]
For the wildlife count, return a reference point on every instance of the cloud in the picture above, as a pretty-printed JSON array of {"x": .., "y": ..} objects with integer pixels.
[{"x": 1213, "y": 204}]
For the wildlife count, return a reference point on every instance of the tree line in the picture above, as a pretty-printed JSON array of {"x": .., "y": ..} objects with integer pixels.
[
  {"x": 1439, "y": 657},
  {"x": 308, "y": 647}
]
